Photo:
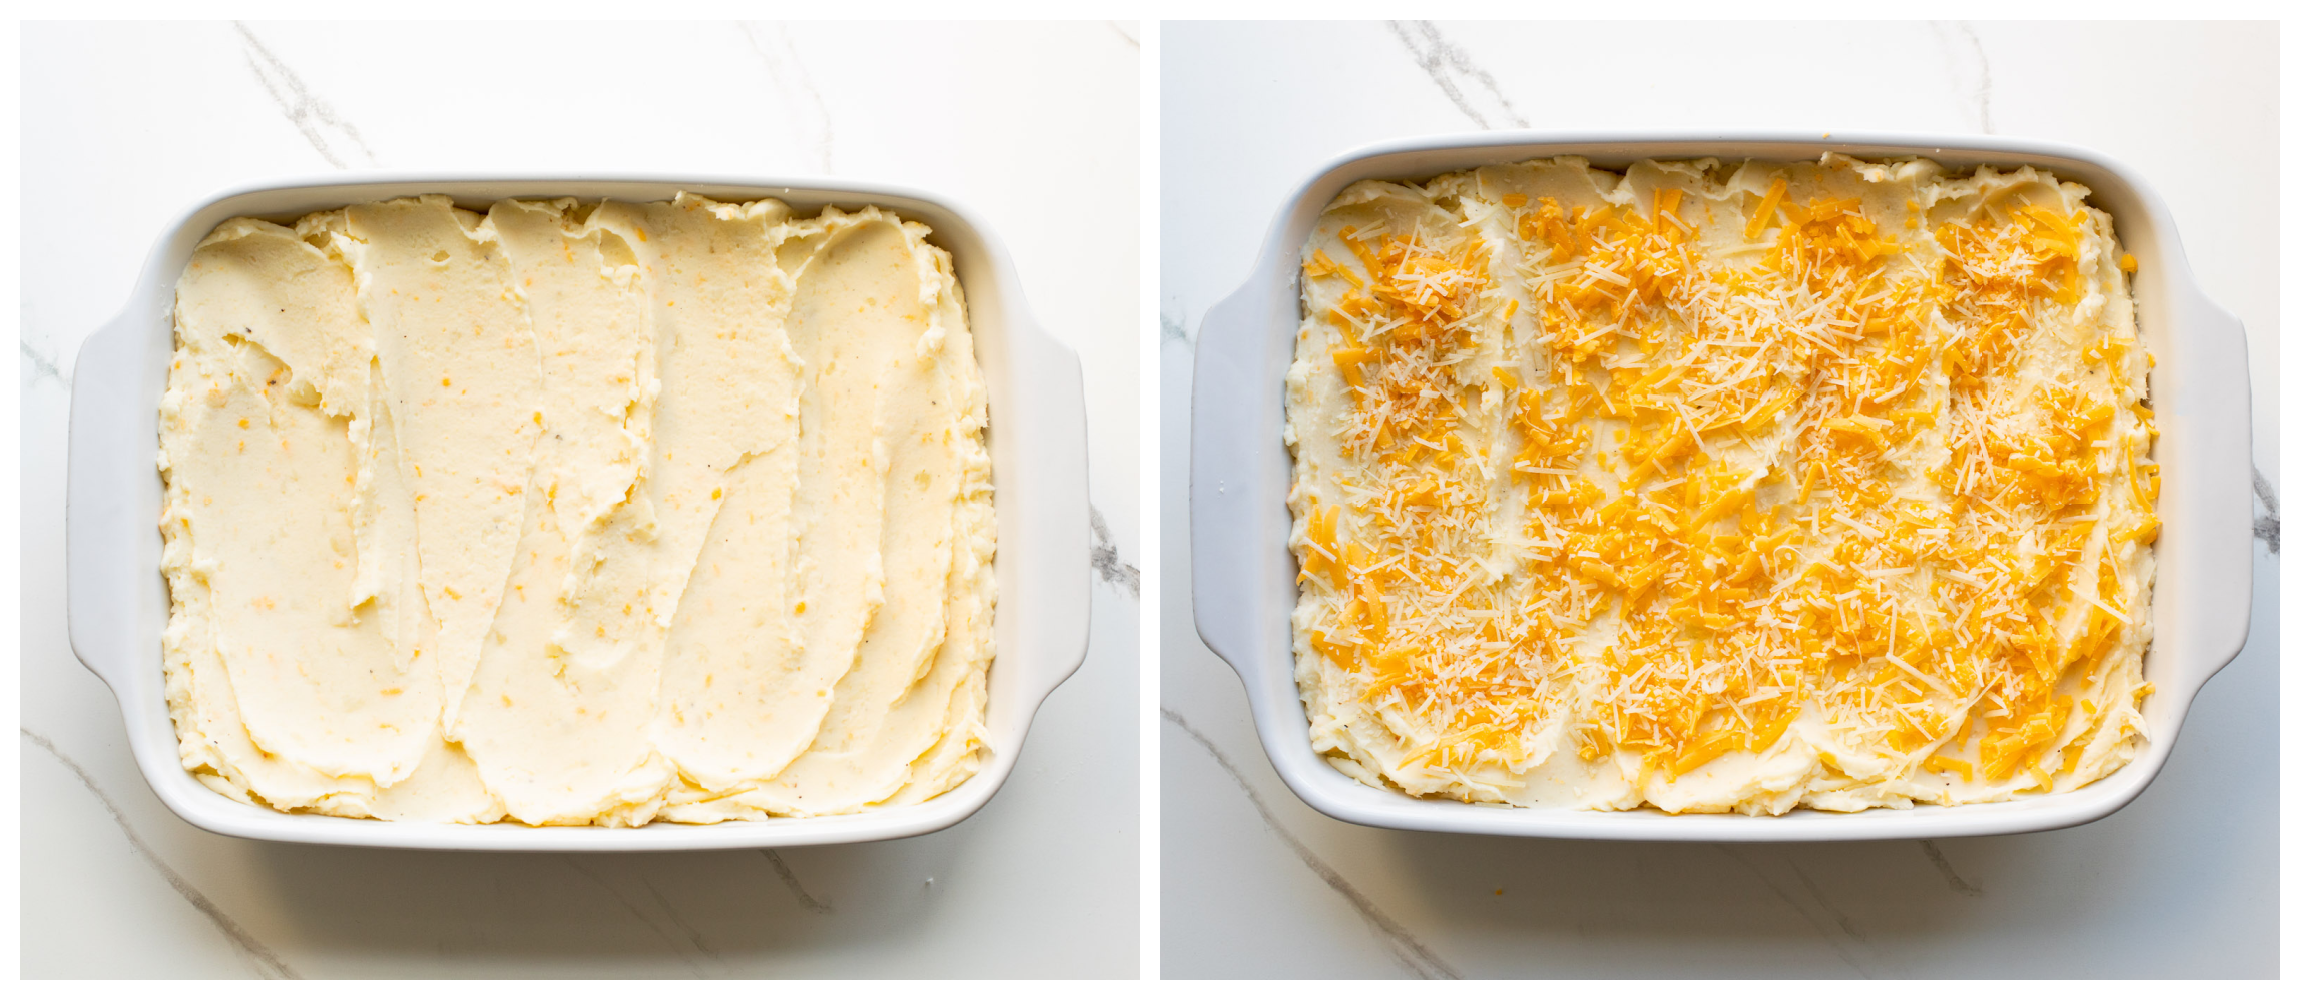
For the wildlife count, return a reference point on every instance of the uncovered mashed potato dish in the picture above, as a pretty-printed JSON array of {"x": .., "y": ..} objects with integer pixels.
[
  {"x": 576, "y": 513},
  {"x": 1721, "y": 487}
]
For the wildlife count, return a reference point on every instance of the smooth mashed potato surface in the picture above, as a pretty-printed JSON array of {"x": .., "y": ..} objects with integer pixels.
[
  {"x": 576, "y": 513},
  {"x": 1721, "y": 487}
]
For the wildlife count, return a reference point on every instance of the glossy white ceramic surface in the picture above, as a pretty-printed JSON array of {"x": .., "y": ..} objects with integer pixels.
[
  {"x": 1243, "y": 575},
  {"x": 119, "y": 604}
]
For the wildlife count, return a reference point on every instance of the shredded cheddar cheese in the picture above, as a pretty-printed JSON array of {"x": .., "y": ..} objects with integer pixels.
[{"x": 1721, "y": 488}]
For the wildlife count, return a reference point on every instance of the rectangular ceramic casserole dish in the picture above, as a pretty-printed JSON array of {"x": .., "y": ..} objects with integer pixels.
[
  {"x": 118, "y": 601},
  {"x": 1240, "y": 472}
]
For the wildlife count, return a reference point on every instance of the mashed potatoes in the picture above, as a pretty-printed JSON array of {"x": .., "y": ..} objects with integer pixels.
[
  {"x": 576, "y": 513},
  {"x": 1721, "y": 487}
]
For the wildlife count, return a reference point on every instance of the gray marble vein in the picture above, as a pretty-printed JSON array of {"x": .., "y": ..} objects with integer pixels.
[
  {"x": 334, "y": 138},
  {"x": 1827, "y": 930},
  {"x": 693, "y": 936},
  {"x": 1170, "y": 328},
  {"x": 1411, "y": 953},
  {"x": 799, "y": 892},
  {"x": 797, "y": 87},
  {"x": 1468, "y": 85},
  {"x": 2266, "y": 527},
  {"x": 639, "y": 915},
  {"x": 1940, "y": 861},
  {"x": 1122, "y": 575},
  {"x": 39, "y": 367},
  {"x": 1125, "y": 32},
  {"x": 267, "y": 963},
  {"x": 1969, "y": 71},
  {"x": 1843, "y": 920}
]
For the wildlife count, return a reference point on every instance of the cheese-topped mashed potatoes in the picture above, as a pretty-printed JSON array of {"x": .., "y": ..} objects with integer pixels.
[
  {"x": 1721, "y": 487},
  {"x": 576, "y": 513}
]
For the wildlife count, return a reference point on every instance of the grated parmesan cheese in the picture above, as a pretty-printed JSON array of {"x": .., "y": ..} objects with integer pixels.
[{"x": 1668, "y": 487}]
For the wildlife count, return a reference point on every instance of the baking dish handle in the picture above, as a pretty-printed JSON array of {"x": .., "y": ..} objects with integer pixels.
[
  {"x": 100, "y": 523},
  {"x": 2217, "y": 351},
  {"x": 1062, "y": 584},
  {"x": 1228, "y": 501}
]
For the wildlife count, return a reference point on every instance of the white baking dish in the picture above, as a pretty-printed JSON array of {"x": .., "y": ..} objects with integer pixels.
[
  {"x": 118, "y": 601},
  {"x": 1243, "y": 574}
]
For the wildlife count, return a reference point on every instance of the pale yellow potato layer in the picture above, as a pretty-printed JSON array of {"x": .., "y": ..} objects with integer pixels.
[
  {"x": 1721, "y": 486},
  {"x": 576, "y": 513}
]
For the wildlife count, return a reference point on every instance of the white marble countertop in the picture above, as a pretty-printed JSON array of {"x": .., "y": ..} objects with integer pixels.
[
  {"x": 1254, "y": 883},
  {"x": 1032, "y": 126}
]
